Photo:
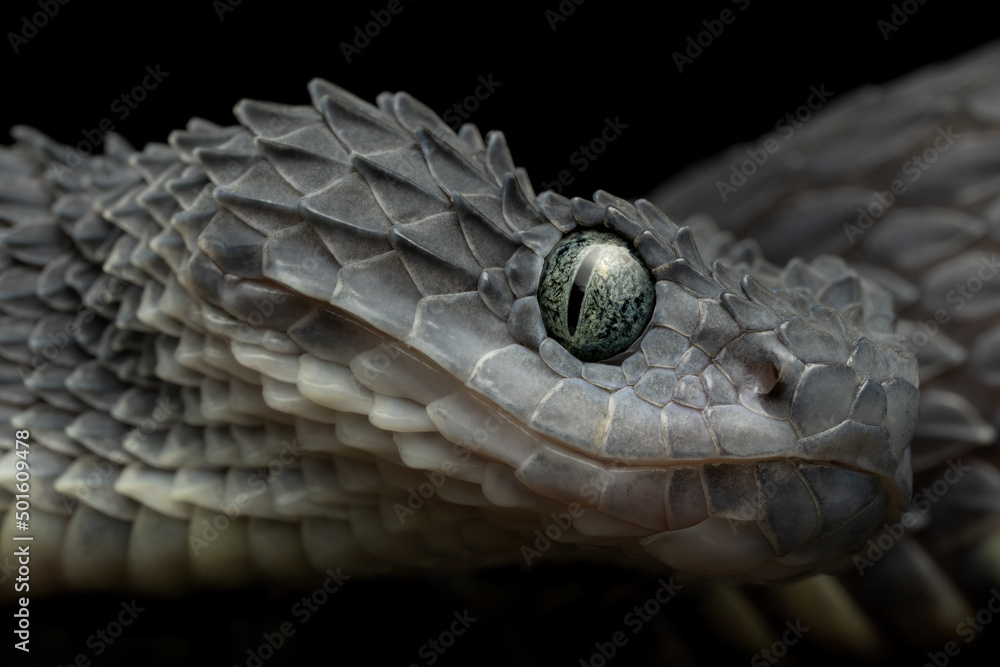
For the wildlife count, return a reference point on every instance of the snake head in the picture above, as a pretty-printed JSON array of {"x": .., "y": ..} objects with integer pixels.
[
  {"x": 726, "y": 424},
  {"x": 760, "y": 425},
  {"x": 655, "y": 390}
]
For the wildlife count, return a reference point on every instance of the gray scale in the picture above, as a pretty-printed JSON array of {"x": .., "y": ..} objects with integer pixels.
[{"x": 756, "y": 427}]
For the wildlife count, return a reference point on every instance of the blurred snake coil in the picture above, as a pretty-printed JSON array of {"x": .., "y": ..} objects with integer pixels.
[{"x": 344, "y": 335}]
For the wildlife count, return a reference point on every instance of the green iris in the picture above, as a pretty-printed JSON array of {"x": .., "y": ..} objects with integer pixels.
[{"x": 595, "y": 294}]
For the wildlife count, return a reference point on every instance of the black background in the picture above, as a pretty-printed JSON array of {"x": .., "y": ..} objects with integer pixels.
[
  {"x": 557, "y": 87},
  {"x": 606, "y": 59}
]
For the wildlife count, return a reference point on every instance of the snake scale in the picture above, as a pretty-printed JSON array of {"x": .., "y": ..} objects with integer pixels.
[{"x": 247, "y": 370}]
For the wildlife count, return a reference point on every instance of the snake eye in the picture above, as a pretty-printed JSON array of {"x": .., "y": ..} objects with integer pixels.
[{"x": 595, "y": 294}]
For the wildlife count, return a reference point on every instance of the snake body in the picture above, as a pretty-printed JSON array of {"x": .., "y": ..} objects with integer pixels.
[{"x": 312, "y": 341}]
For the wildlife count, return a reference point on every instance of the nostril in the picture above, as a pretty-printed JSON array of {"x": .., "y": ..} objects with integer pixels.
[
  {"x": 763, "y": 370},
  {"x": 763, "y": 376}
]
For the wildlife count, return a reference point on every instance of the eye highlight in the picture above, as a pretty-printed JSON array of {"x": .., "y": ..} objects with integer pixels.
[{"x": 595, "y": 294}]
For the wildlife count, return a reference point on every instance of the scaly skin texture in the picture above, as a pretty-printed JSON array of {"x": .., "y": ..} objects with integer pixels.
[
  {"x": 908, "y": 194},
  {"x": 316, "y": 345},
  {"x": 298, "y": 320}
]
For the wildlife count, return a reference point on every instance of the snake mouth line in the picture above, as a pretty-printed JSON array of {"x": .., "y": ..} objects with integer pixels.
[{"x": 802, "y": 518}]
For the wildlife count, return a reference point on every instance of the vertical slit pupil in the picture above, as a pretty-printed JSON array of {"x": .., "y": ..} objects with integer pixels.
[
  {"x": 580, "y": 288},
  {"x": 575, "y": 302}
]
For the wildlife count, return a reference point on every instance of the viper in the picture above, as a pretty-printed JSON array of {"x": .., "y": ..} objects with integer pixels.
[{"x": 344, "y": 335}]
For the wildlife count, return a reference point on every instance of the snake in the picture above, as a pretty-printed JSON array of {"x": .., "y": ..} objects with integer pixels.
[{"x": 348, "y": 335}]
